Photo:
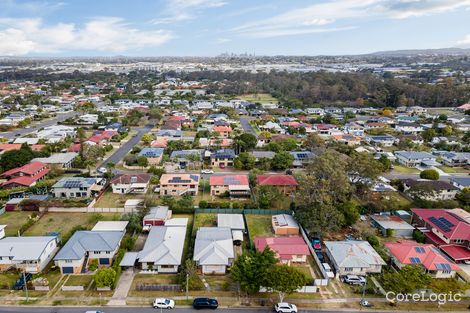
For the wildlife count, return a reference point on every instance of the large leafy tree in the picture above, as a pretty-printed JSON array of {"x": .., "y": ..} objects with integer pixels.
[
  {"x": 285, "y": 279},
  {"x": 16, "y": 158},
  {"x": 282, "y": 160},
  {"x": 363, "y": 168},
  {"x": 409, "y": 279},
  {"x": 246, "y": 142},
  {"x": 252, "y": 270}
]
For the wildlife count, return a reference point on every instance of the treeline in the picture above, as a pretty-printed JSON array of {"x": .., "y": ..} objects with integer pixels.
[{"x": 306, "y": 89}]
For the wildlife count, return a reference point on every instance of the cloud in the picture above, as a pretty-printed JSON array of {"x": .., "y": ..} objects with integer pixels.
[
  {"x": 222, "y": 40},
  {"x": 106, "y": 34},
  {"x": 310, "y": 19},
  {"x": 181, "y": 10},
  {"x": 30, "y": 7},
  {"x": 465, "y": 42}
]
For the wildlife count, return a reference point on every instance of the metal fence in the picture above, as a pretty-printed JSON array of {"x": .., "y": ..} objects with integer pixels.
[
  {"x": 155, "y": 287},
  {"x": 244, "y": 211}
]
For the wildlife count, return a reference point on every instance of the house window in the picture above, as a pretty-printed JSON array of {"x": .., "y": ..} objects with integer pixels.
[
  {"x": 96, "y": 252},
  {"x": 68, "y": 261},
  {"x": 348, "y": 269},
  {"x": 446, "y": 272}
]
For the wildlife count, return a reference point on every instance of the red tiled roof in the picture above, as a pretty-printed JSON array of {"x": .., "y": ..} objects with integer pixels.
[
  {"x": 276, "y": 180},
  {"x": 221, "y": 129},
  {"x": 403, "y": 251},
  {"x": 460, "y": 230},
  {"x": 141, "y": 178},
  {"x": 285, "y": 247},
  {"x": 457, "y": 253},
  {"x": 222, "y": 180},
  {"x": 28, "y": 169},
  {"x": 75, "y": 147}
]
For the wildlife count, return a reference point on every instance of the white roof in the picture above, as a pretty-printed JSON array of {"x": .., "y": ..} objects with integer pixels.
[
  {"x": 232, "y": 221},
  {"x": 284, "y": 220},
  {"x": 24, "y": 248},
  {"x": 164, "y": 245},
  {"x": 133, "y": 202},
  {"x": 110, "y": 226},
  {"x": 58, "y": 158},
  {"x": 214, "y": 246}
]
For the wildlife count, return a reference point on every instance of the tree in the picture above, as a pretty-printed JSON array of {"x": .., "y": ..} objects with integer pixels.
[
  {"x": 429, "y": 174},
  {"x": 407, "y": 280},
  {"x": 448, "y": 285},
  {"x": 386, "y": 163},
  {"x": 246, "y": 142},
  {"x": 314, "y": 142},
  {"x": 142, "y": 161},
  {"x": 350, "y": 213},
  {"x": 282, "y": 160},
  {"x": 266, "y": 196},
  {"x": 446, "y": 131},
  {"x": 16, "y": 158},
  {"x": 189, "y": 274},
  {"x": 429, "y": 134},
  {"x": 252, "y": 270},
  {"x": 245, "y": 161},
  {"x": 289, "y": 144},
  {"x": 147, "y": 138},
  {"x": 363, "y": 168},
  {"x": 285, "y": 279},
  {"x": 105, "y": 277}
]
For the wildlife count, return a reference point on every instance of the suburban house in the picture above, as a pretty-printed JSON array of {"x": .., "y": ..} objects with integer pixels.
[
  {"x": 100, "y": 138},
  {"x": 223, "y": 158},
  {"x": 284, "y": 224},
  {"x": 153, "y": 155},
  {"x": 262, "y": 154},
  {"x": 287, "y": 249},
  {"x": 353, "y": 257},
  {"x": 432, "y": 190},
  {"x": 301, "y": 157},
  {"x": 347, "y": 139},
  {"x": 27, "y": 254},
  {"x": 286, "y": 184},
  {"x": 455, "y": 158},
  {"x": 408, "y": 128},
  {"x": 186, "y": 157},
  {"x": 85, "y": 246},
  {"x": 223, "y": 131},
  {"x": 236, "y": 224},
  {"x": 179, "y": 184},
  {"x": 384, "y": 141},
  {"x": 460, "y": 182},
  {"x": 157, "y": 216},
  {"x": 397, "y": 226},
  {"x": 213, "y": 249},
  {"x": 77, "y": 187},
  {"x": 447, "y": 229},
  {"x": 415, "y": 158},
  {"x": 59, "y": 160},
  {"x": 163, "y": 248},
  {"x": 409, "y": 252},
  {"x": 235, "y": 185},
  {"x": 130, "y": 183},
  {"x": 26, "y": 175}
]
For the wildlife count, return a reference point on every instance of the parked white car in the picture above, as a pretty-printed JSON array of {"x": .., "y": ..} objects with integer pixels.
[
  {"x": 207, "y": 172},
  {"x": 354, "y": 280},
  {"x": 284, "y": 307},
  {"x": 163, "y": 303}
]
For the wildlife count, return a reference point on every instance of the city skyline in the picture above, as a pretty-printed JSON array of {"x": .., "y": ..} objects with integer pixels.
[{"x": 212, "y": 27}]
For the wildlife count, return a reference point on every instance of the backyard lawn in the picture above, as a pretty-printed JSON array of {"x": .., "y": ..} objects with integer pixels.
[
  {"x": 13, "y": 220},
  {"x": 63, "y": 223},
  {"x": 204, "y": 220},
  {"x": 259, "y": 225},
  {"x": 259, "y": 97},
  {"x": 112, "y": 200},
  {"x": 396, "y": 197}
]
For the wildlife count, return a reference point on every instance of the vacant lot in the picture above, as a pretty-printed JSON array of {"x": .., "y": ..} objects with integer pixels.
[
  {"x": 13, "y": 220},
  {"x": 405, "y": 170},
  {"x": 112, "y": 200},
  {"x": 259, "y": 97},
  {"x": 259, "y": 225},
  {"x": 63, "y": 223}
]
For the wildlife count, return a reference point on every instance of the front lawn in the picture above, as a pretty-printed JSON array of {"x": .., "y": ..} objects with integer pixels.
[
  {"x": 259, "y": 225},
  {"x": 13, "y": 220},
  {"x": 79, "y": 280},
  {"x": 452, "y": 170},
  {"x": 8, "y": 279},
  {"x": 113, "y": 200},
  {"x": 405, "y": 170}
]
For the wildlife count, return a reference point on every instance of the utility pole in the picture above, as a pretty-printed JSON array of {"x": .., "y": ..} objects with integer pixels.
[
  {"x": 25, "y": 286},
  {"x": 187, "y": 286}
]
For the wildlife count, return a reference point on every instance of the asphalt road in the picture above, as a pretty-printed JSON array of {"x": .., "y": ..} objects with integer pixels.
[
  {"x": 36, "y": 126},
  {"x": 245, "y": 123},
  {"x": 127, "y": 146},
  {"x": 137, "y": 309}
]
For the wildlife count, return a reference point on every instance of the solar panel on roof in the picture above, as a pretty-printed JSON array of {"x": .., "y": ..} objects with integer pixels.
[
  {"x": 415, "y": 260},
  {"x": 419, "y": 249},
  {"x": 443, "y": 266}
]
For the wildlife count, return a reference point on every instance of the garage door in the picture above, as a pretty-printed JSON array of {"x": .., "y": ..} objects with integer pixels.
[
  {"x": 104, "y": 261},
  {"x": 67, "y": 270}
]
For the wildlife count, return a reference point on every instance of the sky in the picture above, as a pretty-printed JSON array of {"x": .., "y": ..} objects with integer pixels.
[{"x": 212, "y": 27}]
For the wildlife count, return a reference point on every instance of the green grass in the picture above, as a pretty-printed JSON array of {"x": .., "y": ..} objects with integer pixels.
[
  {"x": 259, "y": 97},
  {"x": 304, "y": 269},
  {"x": 204, "y": 220},
  {"x": 13, "y": 220},
  {"x": 405, "y": 170},
  {"x": 63, "y": 223},
  {"x": 112, "y": 200},
  {"x": 452, "y": 170},
  {"x": 79, "y": 280},
  {"x": 396, "y": 197},
  {"x": 8, "y": 279},
  {"x": 259, "y": 225}
]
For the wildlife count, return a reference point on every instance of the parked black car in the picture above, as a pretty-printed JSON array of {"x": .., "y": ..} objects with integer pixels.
[
  {"x": 205, "y": 303},
  {"x": 22, "y": 281}
]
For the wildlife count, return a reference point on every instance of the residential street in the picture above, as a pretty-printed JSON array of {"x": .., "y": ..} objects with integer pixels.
[
  {"x": 245, "y": 123},
  {"x": 127, "y": 146},
  {"x": 36, "y": 126}
]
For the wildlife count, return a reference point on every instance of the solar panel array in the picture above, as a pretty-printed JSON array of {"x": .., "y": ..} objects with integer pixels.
[
  {"x": 419, "y": 249},
  {"x": 194, "y": 177},
  {"x": 178, "y": 179},
  {"x": 415, "y": 260},
  {"x": 231, "y": 181},
  {"x": 72, "y": 184},
  {"x": 442, "y": 223},
  {"x": 443, "y": 266}
]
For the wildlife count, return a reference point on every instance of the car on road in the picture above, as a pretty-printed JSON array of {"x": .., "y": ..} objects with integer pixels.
[
  {"x": 353, "y": 280},
  {"x": 365, "y": 303},
  {"x": 163, "y": 303},
  {"x": 157, "y": 189},
  {"x": 284, "y": 307},
  {"x": 94, "y": 312},
  {"x": 205, "y": 303},
  {"x": 102, "y": 170},
  {"x": 207, "y": 172}
]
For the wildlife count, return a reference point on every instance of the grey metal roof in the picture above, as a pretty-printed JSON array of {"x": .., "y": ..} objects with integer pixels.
[
  {"x": 232, "y": 221},
  {"x": 75, "y": 182},
  {"x": 158, "y": 212},
  {"x": 214, "y": 246},
  {"x": 24, "y": 248},
  {"x": 353, "y": 253},
  {"x": 84, "y": 241},
  {"x": 415, "y": 155},
  {"x": 129, "y": 259},
  {"x": 463, "y": 181}
]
